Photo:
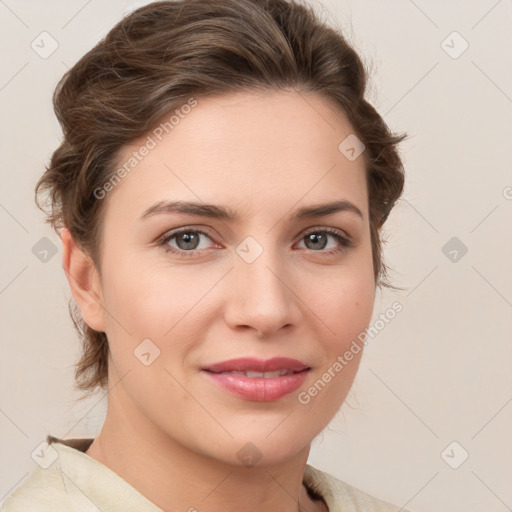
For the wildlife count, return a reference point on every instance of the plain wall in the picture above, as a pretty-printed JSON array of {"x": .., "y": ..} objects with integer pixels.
[{"x": 438, "y": 372}]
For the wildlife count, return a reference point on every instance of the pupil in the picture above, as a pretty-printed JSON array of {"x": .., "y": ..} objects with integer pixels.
[
  {"x": 315, "y": 238},
  {"x": 189, "y": 240}
]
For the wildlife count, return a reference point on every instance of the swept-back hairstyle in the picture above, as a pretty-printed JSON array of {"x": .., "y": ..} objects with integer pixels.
[{"x": 158, "y": 57}]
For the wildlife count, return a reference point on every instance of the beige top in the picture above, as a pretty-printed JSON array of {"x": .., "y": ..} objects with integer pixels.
[{"x": 75, "y": 482}]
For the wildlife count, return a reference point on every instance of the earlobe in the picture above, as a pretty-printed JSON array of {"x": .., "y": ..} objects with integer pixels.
[{"x": 84, "y": 281}]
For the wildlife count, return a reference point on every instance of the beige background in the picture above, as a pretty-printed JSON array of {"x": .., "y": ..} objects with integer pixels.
[{"x": 438, "y": 373}]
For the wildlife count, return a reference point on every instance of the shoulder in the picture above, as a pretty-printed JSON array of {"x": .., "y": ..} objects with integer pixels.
[
  {"x": 42, "y": 491},
  {"x": 341, "y": 496},
  {"x": 66, "y": 478}
]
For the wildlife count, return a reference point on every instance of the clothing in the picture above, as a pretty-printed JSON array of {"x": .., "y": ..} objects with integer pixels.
[{"x": 75, "y": 482}]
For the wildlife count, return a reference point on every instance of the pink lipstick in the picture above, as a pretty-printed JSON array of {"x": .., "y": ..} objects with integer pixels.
[{"x": 258, "y": 380}]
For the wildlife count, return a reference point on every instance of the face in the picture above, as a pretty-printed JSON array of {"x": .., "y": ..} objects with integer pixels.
[{"x": 250, "y": 278}]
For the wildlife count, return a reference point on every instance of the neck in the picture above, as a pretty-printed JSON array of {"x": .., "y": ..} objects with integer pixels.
[{"x": 175, "y": 477}]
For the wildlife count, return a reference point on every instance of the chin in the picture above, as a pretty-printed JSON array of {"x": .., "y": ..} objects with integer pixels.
[{"x": 263, "y": 447}]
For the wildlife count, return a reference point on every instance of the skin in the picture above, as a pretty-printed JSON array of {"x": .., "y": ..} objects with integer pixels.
[{"x": 169, "y": 431}]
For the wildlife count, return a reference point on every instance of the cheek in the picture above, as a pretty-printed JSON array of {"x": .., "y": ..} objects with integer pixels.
[
  {"x": 154, "y": 302},
  {"x": 348, "y": 312},
  {"x": 136, "y": 291},
  {"x": 344, "y": 303},
  {"x": 352, "y": 314},
  {"x": 349, "y": 316}
]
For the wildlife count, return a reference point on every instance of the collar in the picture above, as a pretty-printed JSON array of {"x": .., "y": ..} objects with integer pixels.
[{"x": 90, "y": 483}]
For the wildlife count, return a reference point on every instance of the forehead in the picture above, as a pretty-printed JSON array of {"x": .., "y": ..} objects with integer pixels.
[{"x": 247, "y": 150}]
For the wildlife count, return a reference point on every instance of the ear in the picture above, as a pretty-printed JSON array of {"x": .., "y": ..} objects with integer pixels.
[{"x": 84, "y": 281}]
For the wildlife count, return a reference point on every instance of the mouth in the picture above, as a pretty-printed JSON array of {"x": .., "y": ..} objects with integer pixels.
[
  {"x": 259, "y": 366},
  {"x": 258, "y": 380},
  {"x": 257, "y": 375}
]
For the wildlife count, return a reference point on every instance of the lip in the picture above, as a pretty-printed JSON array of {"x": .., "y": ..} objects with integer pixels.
[
  {"x": 258, "y": 389},
  {"x": 244, "y": 364}
]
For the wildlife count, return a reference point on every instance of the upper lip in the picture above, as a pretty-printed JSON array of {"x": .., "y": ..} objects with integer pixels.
[{"x": 244, "y": 364}]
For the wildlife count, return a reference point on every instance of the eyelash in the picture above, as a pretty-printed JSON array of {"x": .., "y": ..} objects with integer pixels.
[{"x": 345, "y": 242}]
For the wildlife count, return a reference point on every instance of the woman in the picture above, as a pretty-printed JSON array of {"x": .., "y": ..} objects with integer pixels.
[{"x": 219, "y": 194}]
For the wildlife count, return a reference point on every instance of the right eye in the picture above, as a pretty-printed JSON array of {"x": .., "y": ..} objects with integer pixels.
[{"x": 187, "y": 241}]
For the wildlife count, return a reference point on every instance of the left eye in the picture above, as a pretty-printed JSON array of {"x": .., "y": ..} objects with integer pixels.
[{"x": 318, "y": 240}]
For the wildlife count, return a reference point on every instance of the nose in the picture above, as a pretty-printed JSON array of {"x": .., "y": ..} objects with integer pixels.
[{"x": 261, "y": 296}]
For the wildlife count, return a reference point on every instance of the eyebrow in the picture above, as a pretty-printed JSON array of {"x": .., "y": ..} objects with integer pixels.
[{"x": 222, "y": 213}]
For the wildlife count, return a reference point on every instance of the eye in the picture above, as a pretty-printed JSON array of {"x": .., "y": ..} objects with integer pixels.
[
  {"x": 188, "y": 241},
  {"x": 317, "y": 240}
]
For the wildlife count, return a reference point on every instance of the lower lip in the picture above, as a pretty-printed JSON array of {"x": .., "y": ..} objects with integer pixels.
[{"x": 258, "y": 389}]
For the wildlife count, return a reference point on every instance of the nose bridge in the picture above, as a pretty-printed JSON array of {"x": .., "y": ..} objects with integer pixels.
[{"x": 261, "y": 297}]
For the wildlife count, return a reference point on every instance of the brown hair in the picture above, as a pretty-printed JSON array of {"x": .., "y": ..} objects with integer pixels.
[{"x": 158, "y": 57}]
